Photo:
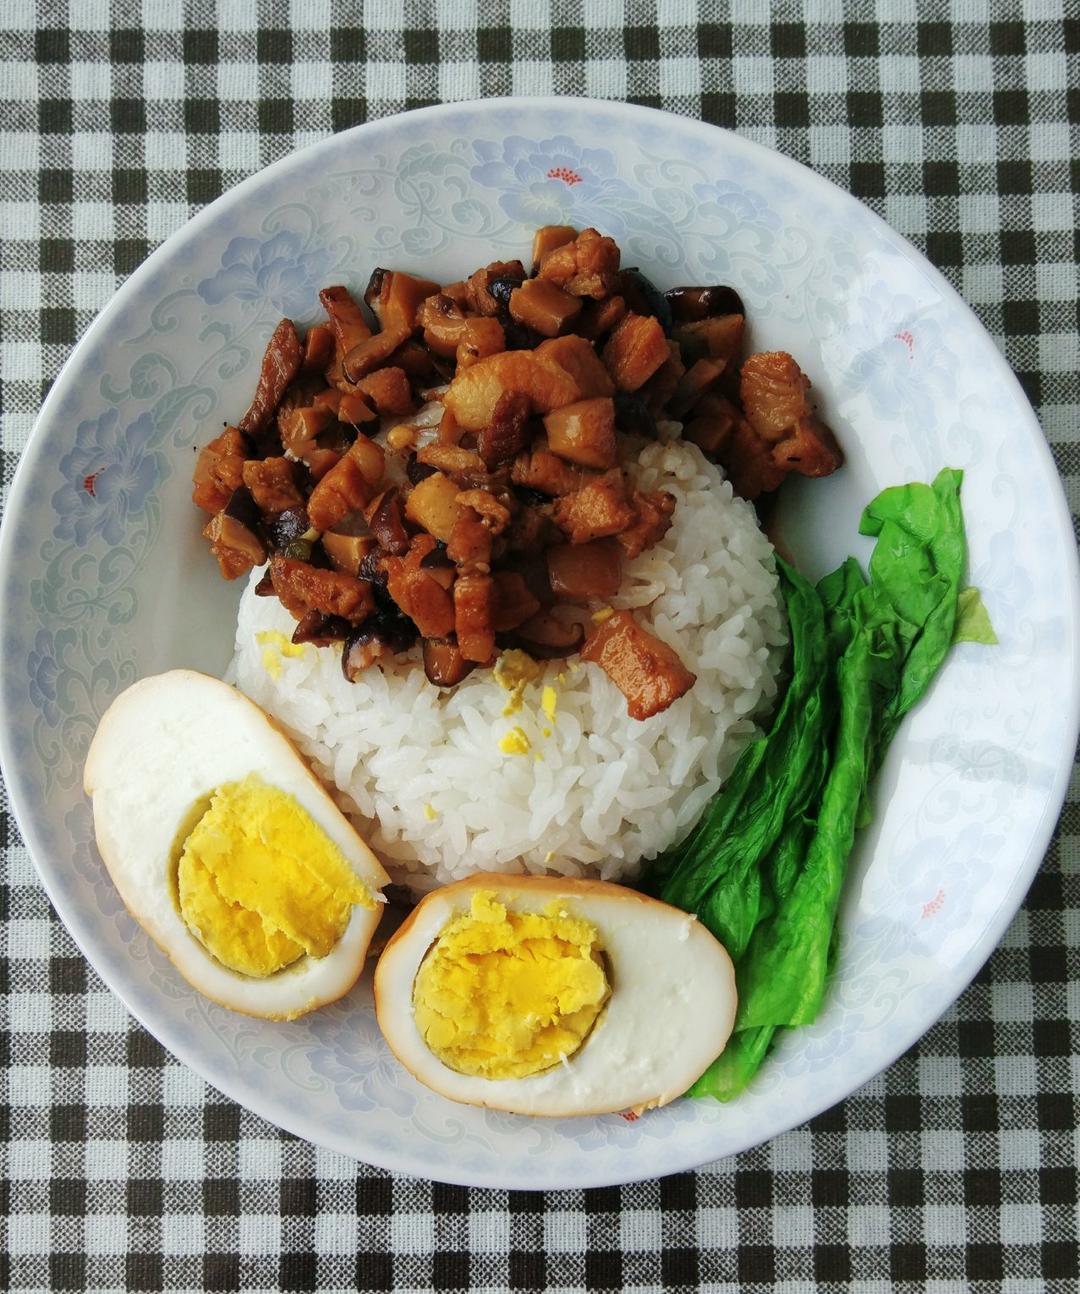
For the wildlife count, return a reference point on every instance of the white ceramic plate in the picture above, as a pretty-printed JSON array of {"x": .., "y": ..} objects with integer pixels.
[{"x": 103, "y": 579}]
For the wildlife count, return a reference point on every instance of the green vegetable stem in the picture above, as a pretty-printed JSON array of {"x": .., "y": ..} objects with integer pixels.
[{"x": 764, "y": 868}]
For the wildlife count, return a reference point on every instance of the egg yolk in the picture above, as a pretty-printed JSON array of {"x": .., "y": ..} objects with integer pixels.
[
  {"x": 505, "y": 994},
  {"x": 260, "y": 884}
]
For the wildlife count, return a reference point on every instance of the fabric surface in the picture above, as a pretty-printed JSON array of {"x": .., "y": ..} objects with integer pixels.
[{"x": 955, "y": 1170}]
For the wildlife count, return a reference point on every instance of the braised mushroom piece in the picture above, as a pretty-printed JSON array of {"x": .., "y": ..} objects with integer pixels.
[{"x": 504, "y": 513}]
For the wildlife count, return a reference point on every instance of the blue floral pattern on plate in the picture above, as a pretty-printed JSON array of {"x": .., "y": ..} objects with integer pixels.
[
  {"x": 43, "y": 673},
  {"x": 103, "y": 577},
  {"x": 110, "y": 473},
  {"x": 277, "y": 271},
  {"x": 553, "y": 181}
]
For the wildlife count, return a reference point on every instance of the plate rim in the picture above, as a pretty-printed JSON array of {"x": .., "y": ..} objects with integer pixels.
[{"x": 405, "y": 1160}]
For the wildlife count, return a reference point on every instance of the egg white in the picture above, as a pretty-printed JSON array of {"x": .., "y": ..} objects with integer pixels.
[
  {"x": 160, "y": 750},
  {"x": 670, "y": 1013}
]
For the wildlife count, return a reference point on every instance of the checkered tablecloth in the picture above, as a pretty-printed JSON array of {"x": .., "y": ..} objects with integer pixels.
[{"x": 960, "y": 124}]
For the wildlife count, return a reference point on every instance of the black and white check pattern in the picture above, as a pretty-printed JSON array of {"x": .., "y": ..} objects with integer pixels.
[{"x": 957, "y": 1170}]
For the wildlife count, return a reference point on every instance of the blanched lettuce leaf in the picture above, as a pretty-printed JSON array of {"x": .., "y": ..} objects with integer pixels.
[
  {"x": 916, "y": 570},
  {"x": 782, "y": 978},
  {"x": 740, "y": 1060},
  {"x": 764, "y": 870}
]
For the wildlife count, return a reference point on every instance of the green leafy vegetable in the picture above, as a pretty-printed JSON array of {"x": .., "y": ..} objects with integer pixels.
[
  {"x": 736, "y": 1065},
  {"x": 973, "y": 620},
  {"x": 764, "y": 869},
  {"x": 783, "y": 977},
  {"x": 915, "y": 571},
  {"x": 716, "y": 872}
]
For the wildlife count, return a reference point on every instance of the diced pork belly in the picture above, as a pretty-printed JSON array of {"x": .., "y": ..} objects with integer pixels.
[
  {"x": 585, "y": 267},
  {"x": 433, "y": 505},
  {"x": 653, "y": 510},
  {"x": 420, "y": 593},
  {"x": 584, "y": 432},
  {"x": 576, "y": 356},
  {"x": 272, "y": 483},
  {"x": 422, "y": 598},
  {"x": 645, "y": 670},
  {"x": 747, "y": 459},
  {"x": 302, "y": 587},
  {"x": 600, "y": 508},
  {"x": 494, "y": 513},
  {"x": 465, "y": 547},
  {"x": 635, "y": 350},
  {"x": 347, "y": 486},
  {"x": 388, "y": 390},
  {"x": 219, "y": 470},
  {"x": 547, "y": 238},
  {"x": 235, "y": 545},
  {"x": 476, "y": 391},
  {"x": 540, "y": 469},
  {"x": 811, "y": 449},
  {"x": 773, "y": 390},
  {"x": 451, "y": 459},
  {"x": 474, "y": 616},
  {"x": 470, "y": 541},
  {"x": 298, "y": 429},
  {"x": 480, "y": 339}
]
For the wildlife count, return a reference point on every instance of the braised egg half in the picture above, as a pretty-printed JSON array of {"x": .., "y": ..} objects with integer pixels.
[
  {"x": 227, "y": 850},
  {"x": 548, "y": 996}
]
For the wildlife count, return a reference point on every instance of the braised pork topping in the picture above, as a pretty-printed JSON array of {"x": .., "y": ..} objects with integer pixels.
[{"x": 508, "y": 520}]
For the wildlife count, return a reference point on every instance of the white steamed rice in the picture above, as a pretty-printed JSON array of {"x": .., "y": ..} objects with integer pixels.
[{"x": 420, "y": 770}]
